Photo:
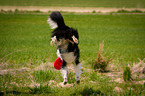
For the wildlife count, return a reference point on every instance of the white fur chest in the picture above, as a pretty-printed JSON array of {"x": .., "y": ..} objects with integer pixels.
[{"x": 68, "y": 57}]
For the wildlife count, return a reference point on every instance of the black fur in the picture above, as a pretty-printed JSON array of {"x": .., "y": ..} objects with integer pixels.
[{"x": 65, "y": 32}]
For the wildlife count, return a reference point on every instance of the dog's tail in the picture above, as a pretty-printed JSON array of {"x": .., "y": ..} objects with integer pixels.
[{"x": 56, "y": 20}]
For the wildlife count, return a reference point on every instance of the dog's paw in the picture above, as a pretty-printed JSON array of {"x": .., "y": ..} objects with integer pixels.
[
  {"x": 75, "y": 39},
  {"x": 78, "y": 82},
  {"x": 64, "y": 83},
  {"x": 53, "y": 41}
]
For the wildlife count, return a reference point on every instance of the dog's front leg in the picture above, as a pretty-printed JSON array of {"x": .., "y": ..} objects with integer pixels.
[
  {"x": 75, "y": 39},
  {"x": 53, "y": 40}
]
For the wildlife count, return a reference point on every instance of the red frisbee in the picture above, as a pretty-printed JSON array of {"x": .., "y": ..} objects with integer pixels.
[{"x": 58, "y": 63}]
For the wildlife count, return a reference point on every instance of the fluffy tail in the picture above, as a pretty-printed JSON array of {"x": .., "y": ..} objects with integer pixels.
[{"x": 56, "y": 20}]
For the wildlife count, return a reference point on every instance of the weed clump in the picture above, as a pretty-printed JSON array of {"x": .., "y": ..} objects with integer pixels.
[
  {"x": 138, "y": 70},
  {"x": 40, "y": 89},
  {"x": 101, "y": 62},
  {"x": 127, "y": 74},
  {"x": 94, "y": 11},
  {"x": 126, "y": 11}
]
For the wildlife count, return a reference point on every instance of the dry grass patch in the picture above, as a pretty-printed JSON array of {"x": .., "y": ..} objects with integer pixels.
[{"x": 101, "y": 63}]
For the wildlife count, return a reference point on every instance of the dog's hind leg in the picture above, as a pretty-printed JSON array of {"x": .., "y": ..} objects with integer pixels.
[
  {"x": 64, "y": 73},
  {"x": 78, "y": 72}
]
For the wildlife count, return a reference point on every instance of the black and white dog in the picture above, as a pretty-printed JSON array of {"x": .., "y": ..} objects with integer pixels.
[{"x": 66, "y": 40}]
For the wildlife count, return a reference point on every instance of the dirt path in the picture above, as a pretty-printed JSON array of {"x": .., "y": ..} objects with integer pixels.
[{"x": 67, "y": 9}]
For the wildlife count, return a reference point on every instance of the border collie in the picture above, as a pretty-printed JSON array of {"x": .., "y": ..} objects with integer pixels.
[{"x": 66, "y": 40}]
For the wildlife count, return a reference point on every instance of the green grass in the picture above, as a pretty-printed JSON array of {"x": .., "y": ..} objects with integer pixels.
[
  {"x": 77, "y": 3},
  {"x": 25, "y": 43},
  {"x": 25, "y": 38},
  {"x": 43, "y": 76}
]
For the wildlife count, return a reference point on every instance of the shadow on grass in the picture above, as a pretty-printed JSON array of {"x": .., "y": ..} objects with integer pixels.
[
  {"x": 35, "y": 90},
  {"x": 14, "y": 92},
  {"x": 89, "y": 91},
  {"x": 40, "y": 90}
]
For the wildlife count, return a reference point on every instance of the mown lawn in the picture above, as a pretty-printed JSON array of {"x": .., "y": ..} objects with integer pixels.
[
  {"x": 24, "y": 45},
  {"x": 76, "y": 3}
]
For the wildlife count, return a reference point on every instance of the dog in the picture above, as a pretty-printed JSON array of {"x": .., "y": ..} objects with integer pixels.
[{"x": 66, "y": 40}]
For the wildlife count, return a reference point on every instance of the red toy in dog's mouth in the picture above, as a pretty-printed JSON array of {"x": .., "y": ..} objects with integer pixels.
[{"x": 58, "y": 63}]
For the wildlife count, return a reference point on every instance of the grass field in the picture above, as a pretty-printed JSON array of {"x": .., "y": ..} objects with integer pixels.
[
  {"x": 77, "y": 3},
  {"x": 25, "y": 50}
]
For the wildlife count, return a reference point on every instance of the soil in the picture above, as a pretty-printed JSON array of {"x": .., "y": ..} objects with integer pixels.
[{"x": 67, "y": 9}]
